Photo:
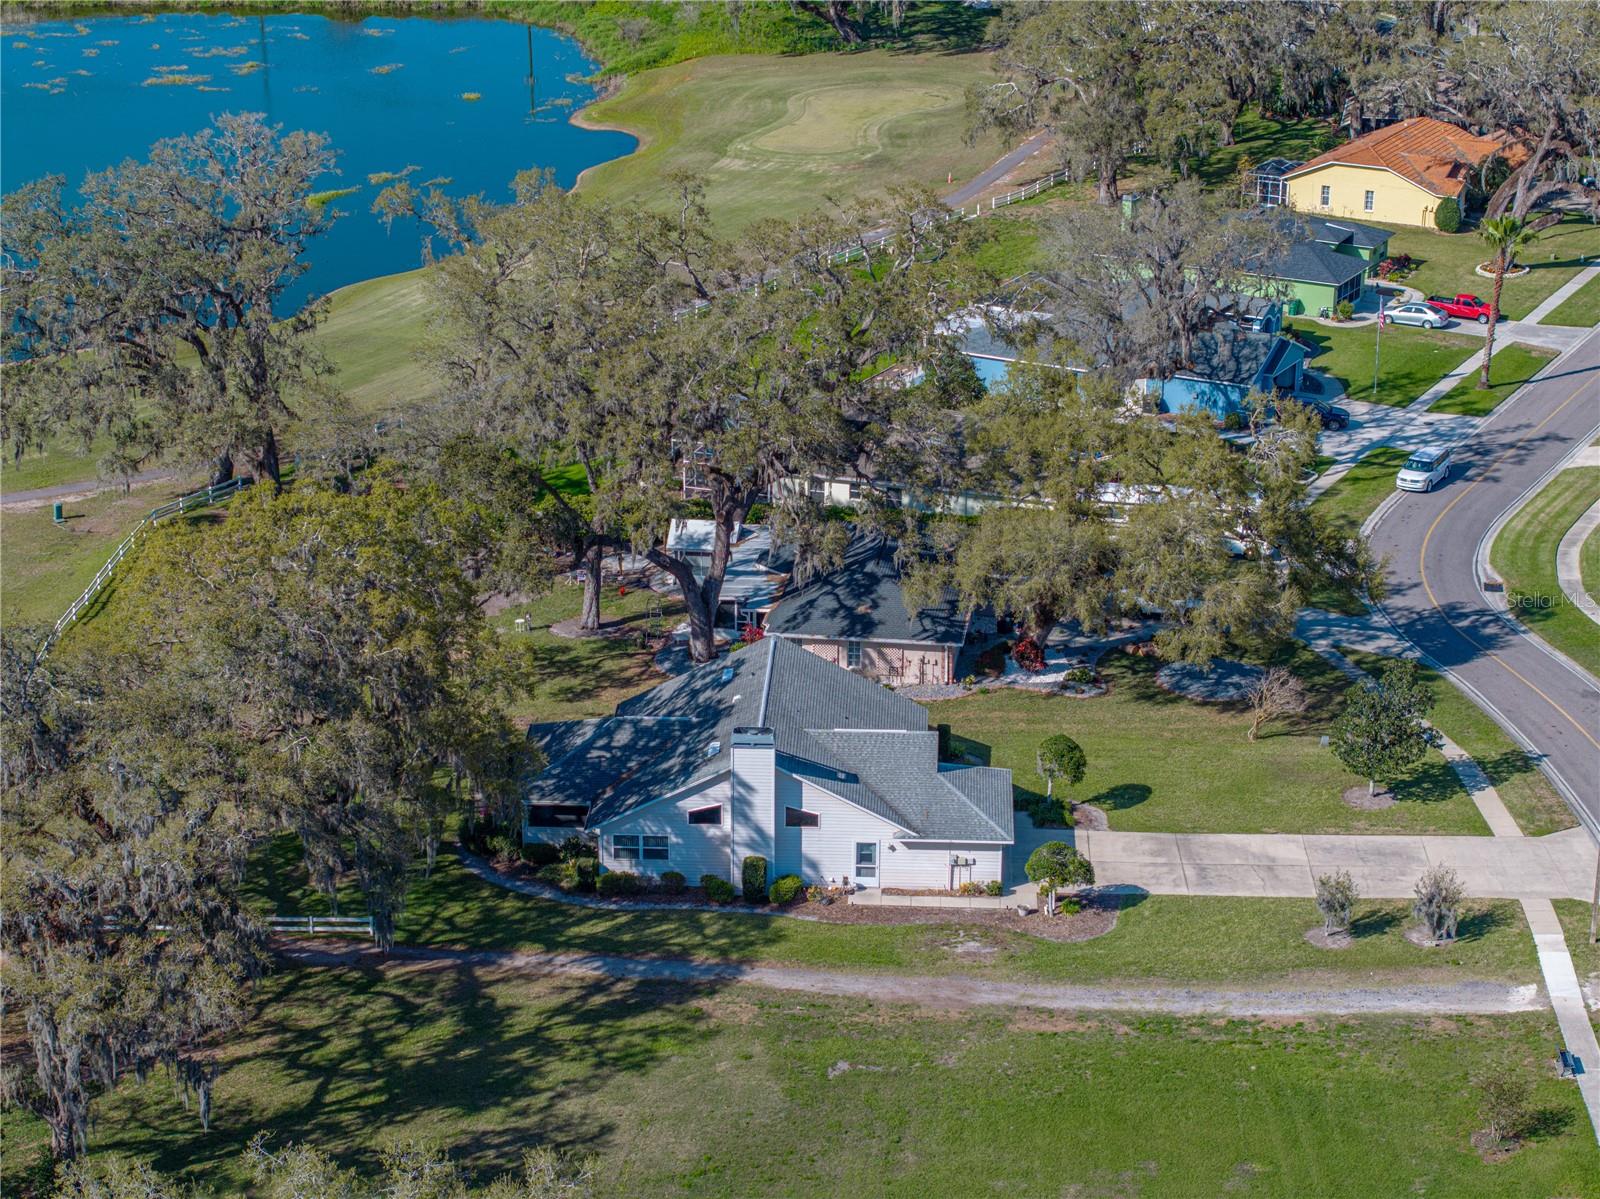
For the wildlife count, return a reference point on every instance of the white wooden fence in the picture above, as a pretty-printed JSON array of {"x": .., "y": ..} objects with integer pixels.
[
  {"x": 312, "y": 925},
  {"x": 216, "y": 494}
]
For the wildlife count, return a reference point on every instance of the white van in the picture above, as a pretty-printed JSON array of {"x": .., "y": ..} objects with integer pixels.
[{"x": 1424, "y": 470}]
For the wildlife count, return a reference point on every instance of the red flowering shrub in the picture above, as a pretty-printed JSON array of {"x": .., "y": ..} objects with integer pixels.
[{"x": 1027, "y": 654}]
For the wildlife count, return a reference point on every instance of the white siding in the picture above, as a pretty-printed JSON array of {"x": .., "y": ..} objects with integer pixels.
[
  {"x": 692, "y": 850},
  {"x": 827, "y": 852},
  {"x": 754, "y": 804},
  {"x": 916, "y": 865}
]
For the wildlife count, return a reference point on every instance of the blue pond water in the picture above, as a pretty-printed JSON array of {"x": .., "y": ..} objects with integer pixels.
[{"x": 387, "y": 92}]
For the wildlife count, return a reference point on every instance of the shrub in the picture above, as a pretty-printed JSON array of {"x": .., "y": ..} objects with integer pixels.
[
  {"x": 994, "y": 887},
  {"x": 970, "y": 889},
  {"x": 1049, "y": 812},
  {"x": 1233, "y": 422},
  {"x": 754, "y": 876},
  {"x": 1346, "y": 310},
  {"x": 1447, "y": 216},
  {"x": 1504, "y": 1105},
  {"x": 1437, "y": 906},
  {"x": 555, "y": 874},
  {"x": 501, "y": 847},
  {"x": 1336, "y": 899},
  {"x": 718, "y": 890},
  {"x": 616, "y": 883},
  {"x": 673, "y": 882},
  {"x": 540, "y": 853},
  {"x": 1080, "y": 674},
  {"x": 816, "y": 893},
  {"x": 574, "y": 848},
  {"x": 786, "y": 889},
  {"x": 1027, "y": 654}
]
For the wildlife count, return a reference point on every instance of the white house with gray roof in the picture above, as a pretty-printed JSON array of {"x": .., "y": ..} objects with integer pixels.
[{"x": 775, "y": 752}]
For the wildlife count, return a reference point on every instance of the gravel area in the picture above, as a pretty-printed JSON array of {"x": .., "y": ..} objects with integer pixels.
[
  {"x": 950, "y": 991},
  {"x": 1224, "y": 682}
]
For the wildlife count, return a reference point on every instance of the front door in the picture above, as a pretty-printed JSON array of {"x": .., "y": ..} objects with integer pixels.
[{"x": 866, "y": 874}]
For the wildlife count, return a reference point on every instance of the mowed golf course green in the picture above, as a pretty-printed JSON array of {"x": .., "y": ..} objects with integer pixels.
[{"x": 777, "y": 137}]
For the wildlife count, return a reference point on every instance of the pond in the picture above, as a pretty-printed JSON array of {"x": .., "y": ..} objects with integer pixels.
[{"x": 468, "y": 101}]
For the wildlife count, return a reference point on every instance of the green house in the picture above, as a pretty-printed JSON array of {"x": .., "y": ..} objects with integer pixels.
[{"x": 1329, "y": 262}]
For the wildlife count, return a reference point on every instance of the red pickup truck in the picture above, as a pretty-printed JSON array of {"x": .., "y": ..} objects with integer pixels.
[{"x": 1467, "y": 308}]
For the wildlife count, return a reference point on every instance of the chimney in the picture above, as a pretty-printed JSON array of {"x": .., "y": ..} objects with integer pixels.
[{"x": 752, "y": 802}]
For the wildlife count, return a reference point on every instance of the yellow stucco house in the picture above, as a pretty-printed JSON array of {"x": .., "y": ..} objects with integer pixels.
[{"x": 1397, "y": 174}]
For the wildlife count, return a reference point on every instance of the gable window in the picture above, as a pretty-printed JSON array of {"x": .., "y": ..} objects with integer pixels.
[
  {"x": 799, "y": 818},
  {"x": 708, "y": 815},
  {"x": 852, "y": 654},
  {"x": 855, "y": 490},
  {"x": 632, "y": 848},
  {"x": 1368, "y": 200},
  {"x": 1327, "y": 195}
]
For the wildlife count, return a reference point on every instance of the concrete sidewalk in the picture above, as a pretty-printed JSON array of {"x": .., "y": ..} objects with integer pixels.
[
  {"x": 1561, "y": 295},
  {"x": 1569, "y": 572},
  {"x": 1560, "y": 866}
]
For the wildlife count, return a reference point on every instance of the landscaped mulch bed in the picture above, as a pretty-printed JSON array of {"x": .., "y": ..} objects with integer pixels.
[{"x": 1097, "y": 918}]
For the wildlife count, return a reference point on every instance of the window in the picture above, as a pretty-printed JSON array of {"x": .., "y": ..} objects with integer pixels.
[
  {"x": 709, "y": 815},
  {"x": 1367, "y": 201},
  {"x": 855, "y": 490},
  {"x": 816, "y": 488},
  {"x": 799, "y": 818},
  {"x": 1327, "y": 195},
  {"x": 866, "y": 860},
  {"x": 629, "y": 848},
  {"x": 852, "y": 654}
]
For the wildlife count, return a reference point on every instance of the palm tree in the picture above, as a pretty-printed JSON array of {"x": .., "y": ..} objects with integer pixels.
[{"x": 1505, "y": 235}]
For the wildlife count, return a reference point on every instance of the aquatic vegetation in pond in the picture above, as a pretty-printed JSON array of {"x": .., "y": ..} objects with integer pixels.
[
  {"x": 319, "y": 200},
  {"x": 378, "y": 178},
  {"x": 387, "y": 67},
  {"x": 472, "y": 95},
  {"x": 247, "y": 68},
  {"x": 222, "y": 52},
  {"x": 175, "y": 80}
]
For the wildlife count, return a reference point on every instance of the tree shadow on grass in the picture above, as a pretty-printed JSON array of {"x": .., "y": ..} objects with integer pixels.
[
  {"x": 1120, "y": 797},
  {"x": 1477, "y": 923},
  {"x": 968, "y": 749},
  {"x": 1375, "y": 923},
  {"x": 1428, "y": 782}
]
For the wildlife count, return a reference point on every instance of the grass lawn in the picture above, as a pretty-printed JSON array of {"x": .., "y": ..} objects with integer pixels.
[
  {"x": 1524, "y": 555},
  {"x": 1413, "y": 359},
  {"x": 1582, "y": 307},
  {"x": 1259, "y": 138},
  {"x": 648, "y": 1079},
  {"x": 1527, "y": 794},
  {"x": 1363, "y": 487},
  {"x": 591, "y": 676},
  {"x": 1509, "y": 369},
  {"x": 1589, "y": 564},
  {"x": 776, "y": 137},
  {"x": 1160, "y": 763},
  {"x": 1447, "y": 262},
  {"x": 1161, "y": 939},
  {"x": 45, "y": 566},
  {"x": 370, "y": 337}
]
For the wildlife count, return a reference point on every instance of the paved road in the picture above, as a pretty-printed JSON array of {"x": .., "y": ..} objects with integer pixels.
[
  {"x": 953, "y": 990},
  {"x": 42, "y": 495},
  {"x": 1434, "y": 599},
  {"x": 975, "y": 187}
]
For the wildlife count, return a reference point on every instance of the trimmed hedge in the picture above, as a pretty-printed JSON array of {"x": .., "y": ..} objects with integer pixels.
[
  {"x": 540, "y": 853},
  {"x": 786, "y": 889},
  {"x": 672, "y": 882},
  {"x": 615, "y": 884},
  {"x": 754, "y": 875},
  {"x": 718, "y": 890},
  {"x": 1447, "y": 216}
]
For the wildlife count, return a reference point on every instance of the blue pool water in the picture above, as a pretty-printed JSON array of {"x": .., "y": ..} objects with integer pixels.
[{"x": 387, "y": 91}]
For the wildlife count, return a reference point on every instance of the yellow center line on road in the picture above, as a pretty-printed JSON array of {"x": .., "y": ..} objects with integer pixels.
[{"x": 1422, "y": 563}]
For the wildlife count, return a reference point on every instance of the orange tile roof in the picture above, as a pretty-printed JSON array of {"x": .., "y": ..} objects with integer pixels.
[{"x": 1435, "y": 155}]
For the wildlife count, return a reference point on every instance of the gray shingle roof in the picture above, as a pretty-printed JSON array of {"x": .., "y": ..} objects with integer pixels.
[
  {"x": 826, "y": 721},
  {"x": 1228, "y": 354},
  {"x": 1314, "y": 262},
  {"x": 862, "y": 601}
]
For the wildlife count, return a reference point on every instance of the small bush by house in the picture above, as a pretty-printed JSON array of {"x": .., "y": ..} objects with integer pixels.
[
  {"x": 718, "y": 890},
  {"x": 540, "y": 853},
  {"x": 673, "y": 882},
  {"x": 785, "y": 889},
  {"x": 619, "y": 884},
  {"x": 754, "y": 875}
]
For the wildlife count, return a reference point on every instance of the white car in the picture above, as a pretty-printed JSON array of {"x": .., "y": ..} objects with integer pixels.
[
  {"x": 1424, "y": 470},
  {"x": 1424, "y": 315}
]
